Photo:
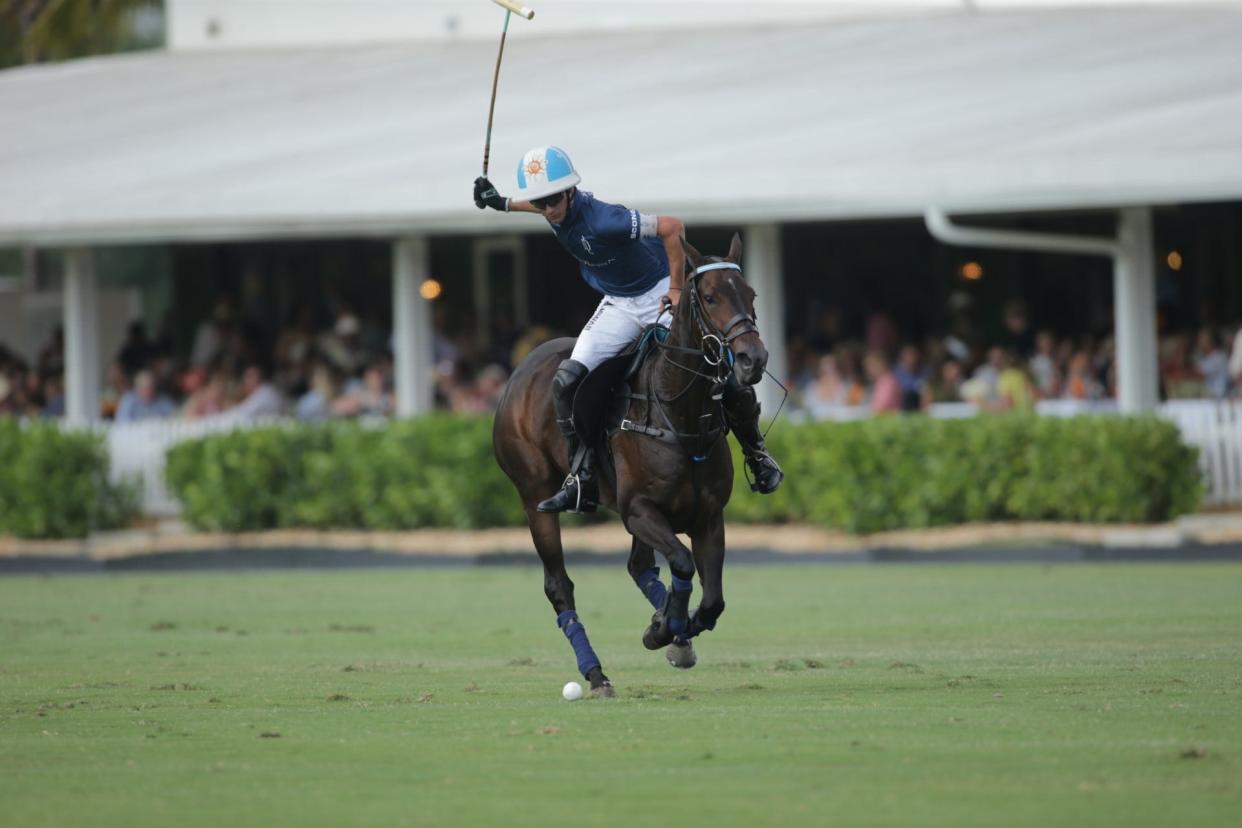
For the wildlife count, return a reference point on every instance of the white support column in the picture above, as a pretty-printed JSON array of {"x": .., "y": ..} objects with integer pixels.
[
  {"x": 1134, "y": 302},
  {"x": 81, "y": 338},
  {"x": 763, "y": 265},
  {"x": 414, "y": 357}
]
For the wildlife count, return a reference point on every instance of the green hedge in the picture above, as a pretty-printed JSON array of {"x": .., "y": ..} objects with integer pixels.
[
  {"x": 434, "y": 471},
  {"x": 884, "y": 473},
  {"x": 54, "y": 483},
  {"x": 914, "y": 472}
]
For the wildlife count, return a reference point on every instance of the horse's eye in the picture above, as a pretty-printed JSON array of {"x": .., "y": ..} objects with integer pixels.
[{"x": 709, "y": 298}]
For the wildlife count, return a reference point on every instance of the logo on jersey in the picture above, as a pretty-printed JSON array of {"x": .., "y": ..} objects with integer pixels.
[{"x": 586, "y": 245}]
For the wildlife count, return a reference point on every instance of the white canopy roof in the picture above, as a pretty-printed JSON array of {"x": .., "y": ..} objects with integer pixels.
[{"x": 972, "y": 112}]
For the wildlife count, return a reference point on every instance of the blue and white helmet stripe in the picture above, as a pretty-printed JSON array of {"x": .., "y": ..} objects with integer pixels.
[{"x": 544, "y": 171}]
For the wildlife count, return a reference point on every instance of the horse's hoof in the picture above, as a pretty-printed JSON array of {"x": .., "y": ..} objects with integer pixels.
[
  {"x": 681, "y": 655},
  {"x": 604, "y": 691},
  {"x": 654, "y": 638}
]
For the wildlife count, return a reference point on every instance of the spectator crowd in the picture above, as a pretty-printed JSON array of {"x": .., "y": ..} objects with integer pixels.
[
  {"x": 233, "y": 370},
  {"x": 880, "y": 372},
  {"x": 343, "y": 367}
]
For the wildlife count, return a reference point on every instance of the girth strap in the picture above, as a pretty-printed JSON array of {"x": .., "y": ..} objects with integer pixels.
[
  {"x": 639, "y": 428},
  {"x": 706, "y": 440}
]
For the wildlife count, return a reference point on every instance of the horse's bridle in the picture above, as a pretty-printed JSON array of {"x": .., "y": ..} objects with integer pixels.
[
  {"x": 741, "y": 324},
  {"x": 715, "y": 344}
]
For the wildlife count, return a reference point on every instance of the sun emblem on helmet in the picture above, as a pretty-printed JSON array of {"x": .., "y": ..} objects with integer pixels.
[{"x": 535, "y": 166}]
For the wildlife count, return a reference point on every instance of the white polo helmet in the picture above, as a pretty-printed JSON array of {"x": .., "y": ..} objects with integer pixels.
[{"x": 544, "y": 171}]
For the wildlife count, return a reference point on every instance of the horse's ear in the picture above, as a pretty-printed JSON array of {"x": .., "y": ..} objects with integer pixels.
[
  {"x": 735, "y": 250},
  {"x": 694, "y": 257}
]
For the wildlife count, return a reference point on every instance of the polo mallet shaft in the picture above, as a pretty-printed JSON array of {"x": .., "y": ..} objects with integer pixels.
[
  {"x": 511, "y": 7},
  {"x": 491, "y": 108}
]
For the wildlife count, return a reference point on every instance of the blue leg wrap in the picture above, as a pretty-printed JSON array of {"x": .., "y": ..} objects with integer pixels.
[
  {"x": 682, "y": 584},
  {"x": 651, "y": 585},
  {"x": 576, "y": 633}
]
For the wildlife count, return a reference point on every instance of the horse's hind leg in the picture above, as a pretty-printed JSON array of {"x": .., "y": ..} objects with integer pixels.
[
  {"x": 646, "y": 574},
  {"x": 545, "y": 530}
]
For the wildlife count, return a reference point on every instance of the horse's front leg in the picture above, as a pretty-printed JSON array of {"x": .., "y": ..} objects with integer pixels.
[
  {"x": 649, "y": 526},
  {"x": 646, "y": 575},
  {"x": 709, "y": 550}
]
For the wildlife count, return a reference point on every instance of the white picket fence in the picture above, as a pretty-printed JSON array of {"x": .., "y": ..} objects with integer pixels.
[
  {"x": 1214, "y": 427},
  {"x": 137, "y": 451}
]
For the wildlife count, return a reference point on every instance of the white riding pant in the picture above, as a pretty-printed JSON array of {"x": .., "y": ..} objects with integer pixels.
[{"x": 616, "y": 322}]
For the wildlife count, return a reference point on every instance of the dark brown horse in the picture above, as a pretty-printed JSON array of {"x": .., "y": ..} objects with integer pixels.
[{"x": 673, "y": 469}]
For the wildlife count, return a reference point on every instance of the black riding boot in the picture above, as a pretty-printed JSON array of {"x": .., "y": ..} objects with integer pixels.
[
  {"x": 580, "y": 491},
  {"x": 742, "y": 412}
]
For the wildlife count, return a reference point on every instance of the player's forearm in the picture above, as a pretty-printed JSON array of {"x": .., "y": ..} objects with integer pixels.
[
  {"x": 671, "y": 231},
  {"x": 516, "y": 206}
]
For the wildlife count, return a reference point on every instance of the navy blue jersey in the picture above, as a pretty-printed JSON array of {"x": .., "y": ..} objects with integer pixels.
[{"x": 616, "y": 248}]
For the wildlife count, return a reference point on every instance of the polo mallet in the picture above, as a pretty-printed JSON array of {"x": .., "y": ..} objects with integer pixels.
[{"x": 511, "y": 8}]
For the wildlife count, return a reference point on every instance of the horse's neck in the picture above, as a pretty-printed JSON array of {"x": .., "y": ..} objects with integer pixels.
[{"x": 675, "y": 378}]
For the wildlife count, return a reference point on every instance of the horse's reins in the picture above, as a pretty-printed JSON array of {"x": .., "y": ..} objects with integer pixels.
[
  {"x": 718, "y": 356},
  {"x": 739, "y": 325},
  {"x": 745, "y": 323}
]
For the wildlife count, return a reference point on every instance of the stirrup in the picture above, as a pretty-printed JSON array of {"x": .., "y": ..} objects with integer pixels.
[
  {"x": 757, "y": 457},
  {"x": 578, "y": 506}
]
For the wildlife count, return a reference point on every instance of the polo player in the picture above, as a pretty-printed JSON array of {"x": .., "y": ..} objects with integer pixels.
[{"x": 636, "y": 261}]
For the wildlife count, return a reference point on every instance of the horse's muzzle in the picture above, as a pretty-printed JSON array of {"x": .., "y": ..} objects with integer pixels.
[{"x": 749, "y": 364}]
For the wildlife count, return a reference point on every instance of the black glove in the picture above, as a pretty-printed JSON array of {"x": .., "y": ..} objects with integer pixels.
[{"x": 485, "y": 195}]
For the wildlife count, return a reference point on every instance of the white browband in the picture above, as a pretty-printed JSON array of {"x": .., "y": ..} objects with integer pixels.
[{"x": 716, "y": 266}]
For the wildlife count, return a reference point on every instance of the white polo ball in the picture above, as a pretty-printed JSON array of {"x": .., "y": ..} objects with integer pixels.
[{"x": 572, "y": 691}]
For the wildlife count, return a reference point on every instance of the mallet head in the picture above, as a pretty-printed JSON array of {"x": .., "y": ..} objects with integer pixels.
[{"x": 516, "y": 8}]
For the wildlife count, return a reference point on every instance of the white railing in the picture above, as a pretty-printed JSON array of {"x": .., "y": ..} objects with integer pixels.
[
  {"x": 137, "y": 451},
  {"x": 1214, "y": 427}
]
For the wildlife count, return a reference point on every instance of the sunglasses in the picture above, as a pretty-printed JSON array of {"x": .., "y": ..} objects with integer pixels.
[{"x": 548, "y": 201}]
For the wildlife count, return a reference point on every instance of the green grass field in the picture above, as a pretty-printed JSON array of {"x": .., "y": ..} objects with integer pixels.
[{"x": 945, "y": 695}]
